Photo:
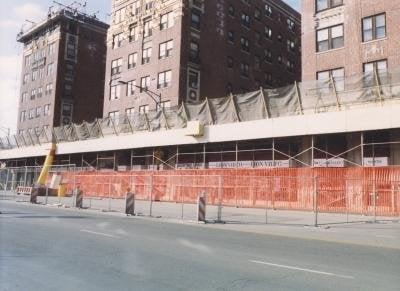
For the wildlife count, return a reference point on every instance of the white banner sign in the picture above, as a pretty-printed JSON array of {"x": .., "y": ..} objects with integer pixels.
[
  {"x": 270, "y": 164},
  {"x": 329, "y": 163},
  {"x": 377, "y": 162}
]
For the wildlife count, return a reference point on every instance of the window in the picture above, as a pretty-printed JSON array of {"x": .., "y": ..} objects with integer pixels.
[
  {"x": 244, "y": 70},
  {"x": 231, "y": 36},
  {"x": 231, "y": 10},
  {"x": 144, "y": 83},
  {"x": 290, "y": 45},
  {"x": 244, "y": 43},
  {"x": 290, "y": 65},
  {"x": 22, "y": 117},
  {"x": 164, "y": 79},
  {"x": 51, "y": 48},
  {"x": 245, "y": 20},
  {"x": 378, "y": 66},
  {"x": 33, "y": 94},
  {"x": 268, "y": 10},
  {"x": 132, "y": 60},
  {"x": 46, "y": 110},
  {"x": 144, "y": 109},
  {"x": 38, "y": 111},
  {"x": 49, "y": 88},
  {"x": 257, "y": 14},
  {"x": 146, "y": 55},
  {"x": 131, "y": 88},
  {"x": 116, "y": 66},
  {"x": 268, "y": 32},
  {"x": 34, "y": 75},
  {"x": 114, "y": 116},
  {"x": 195, "y": 19},
  {"x": 164, "y": 105},
  {"x": 50, "y": 69},
  {"x": 330, "y": 38},
  {"x": 115, "y": 92},
  {"x": 26, "y": 79},
  {"x": 165, "y": 49},
  {"x": 24, "y": 97},
  {"x": 130, "y": 112},
  {"x": 31, "y": 113},
  {"x": 327, "y": 4},
  {"x": 291, "y": 24},
  {"x": 374, "y": 27},
  {"x": 147, "y": 30},
  {"x": 27, "y": 60},
  {"x": 167, "y": 20},
  {"x": 117, "y": 40},
  {"x": 135, "y": 7},
  {"x": 133, "y": 33},
  {"x": 39, "y": 92},
  {"x": 230, "y": 62},
  {"x": 41, "y": 73},
  {"x": 194, "y": 79},
  {"x": 325, "y": 78},
  {"x": 194, "y": 52},
  {"x": 119, "y": 15}
]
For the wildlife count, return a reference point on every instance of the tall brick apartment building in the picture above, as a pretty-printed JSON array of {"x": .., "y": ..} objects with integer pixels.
[
  {"x": 63, "y": 71},
  {"x": 348, "y": 37},
  {"x": 187, "y": 50}
]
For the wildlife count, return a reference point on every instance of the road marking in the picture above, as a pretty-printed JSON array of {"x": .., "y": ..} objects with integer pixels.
[
  {"x": 98, "y": 233},
  {"x": 385, "y": 236},
  {"x": 302, "y": 269}
]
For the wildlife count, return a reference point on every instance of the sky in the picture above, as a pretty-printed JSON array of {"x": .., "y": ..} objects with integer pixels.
[{"x": 13, "y": 16}]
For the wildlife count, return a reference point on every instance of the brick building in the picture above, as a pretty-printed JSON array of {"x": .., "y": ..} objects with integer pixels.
[
  {"x": 342, "y": 38},
  {"x": 180, "y": 50},
  {"x": 62, "y": 71}
]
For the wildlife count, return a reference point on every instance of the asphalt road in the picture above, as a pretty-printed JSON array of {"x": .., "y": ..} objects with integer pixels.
[{"x": 43, "y": 248}]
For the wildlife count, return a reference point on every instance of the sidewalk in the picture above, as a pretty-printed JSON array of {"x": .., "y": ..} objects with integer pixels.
[{"x": 297, "y": 224}]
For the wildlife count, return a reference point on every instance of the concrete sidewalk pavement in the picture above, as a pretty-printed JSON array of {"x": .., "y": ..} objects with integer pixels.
[{"x": 297, "y": 224}]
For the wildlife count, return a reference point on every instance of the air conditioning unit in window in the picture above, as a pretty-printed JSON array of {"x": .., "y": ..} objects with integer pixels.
[{"x": 194, "y": 128}]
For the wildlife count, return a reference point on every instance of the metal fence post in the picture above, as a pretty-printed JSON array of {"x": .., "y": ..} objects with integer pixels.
[
  {"x": 220, "y": 185},
  {"x": 182, "y": 200},
  {"x": 47, "y": 195},
  {"x": 266, "y": 203},
  {"x": 374, "y": 199},
  {"x": 151, "y": 195},
  {"x": 109, "y": 194},
  {"x": 6, "y": 186},
  {"x": 315, "y": 189},
  {"x": 346, "y": 199}
]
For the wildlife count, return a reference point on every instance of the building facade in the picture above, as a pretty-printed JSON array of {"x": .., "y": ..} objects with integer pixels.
[
  {"x": 160, "y": 53},
  {"x": 62, "y": 72},
  {"x": 342, "y": 38}
]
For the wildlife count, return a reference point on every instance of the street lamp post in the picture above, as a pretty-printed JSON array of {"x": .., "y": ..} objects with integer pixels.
[{"x": 150, "y": 93}]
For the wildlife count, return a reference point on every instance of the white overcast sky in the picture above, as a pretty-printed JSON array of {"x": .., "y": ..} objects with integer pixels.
[{"x": 12, "y": 17}]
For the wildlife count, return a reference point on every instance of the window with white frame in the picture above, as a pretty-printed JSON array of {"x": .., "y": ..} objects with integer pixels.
[
  {"x": 50, "y": 69},
  {"x": 49, "y": 88},
  {"x": 115, "y": 92},
  {"x": 133, "y": 33},
  {"x": 39, "y": 92},
  {"x": 131, "y": 88},
  {"x": 374, "y": 27},
  {"x": 144, "y": 109},
  {"x": 35, "y": 74},
  {"x": 119, "y": 15},
  {"x": 166, "y": 20},
  {"x": 166, "y": 49},
  {"x": 132, "y": 60},
  {"x": 144, "y": 83},
  {"x": 51, "y": 48},
  {"x": 330, "y": 38},
  {"x": 325, "y": 79},
  {"x": 46, "y": 110},
  {"x": 22, "y": 117},
  {"x": 164, "y": 79},
  {"x": 24, "y": 97},
  {"x": 33, "y": 94},
  {"x": 147, "y": 29},
  {"x": 32, "y": 113},
  {"x": 26, "y": 79},
  {"x": 117, "y": 40},
  {"x": 130, "y": 112},
  {"x": 114, "y": 116},
  {"x": 146, "y": 55},
  {"x": 327, "y": 4},
  {"x": 38, "y": 111},
  {"x": 116, "y": 66}
]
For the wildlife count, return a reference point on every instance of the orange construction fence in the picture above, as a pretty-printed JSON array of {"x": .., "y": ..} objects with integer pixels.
[{"x": 341, "y": 190}]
